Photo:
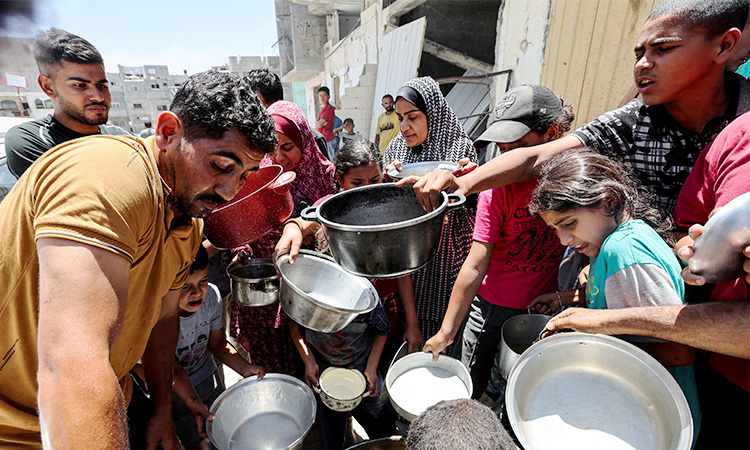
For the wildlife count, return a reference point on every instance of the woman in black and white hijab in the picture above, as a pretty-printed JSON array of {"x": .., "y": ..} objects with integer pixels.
[{"x": 430, "y": 131}]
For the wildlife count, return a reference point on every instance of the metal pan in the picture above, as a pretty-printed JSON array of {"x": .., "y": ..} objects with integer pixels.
[{"x": 590, "y": 391}]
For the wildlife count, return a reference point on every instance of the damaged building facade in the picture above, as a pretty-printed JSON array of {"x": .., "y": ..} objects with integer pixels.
[{"x": 476, "y": 49}]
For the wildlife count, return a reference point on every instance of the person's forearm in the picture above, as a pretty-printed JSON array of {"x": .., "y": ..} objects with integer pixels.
[
  {"x": 405, "y": 288},
  {"x": 299, "y": 342},
  {"x": 514, "y": 166},
  {"x": 373, "y": 359},
  {"x": 721, "y": 327},
  {"x": 80, "y": 404},
  {"x": 158, "y": 362},
  {"x": 234, "y": 360},
  {"x": 464, "y": 290},
  {"x": 182, "y": 386}
]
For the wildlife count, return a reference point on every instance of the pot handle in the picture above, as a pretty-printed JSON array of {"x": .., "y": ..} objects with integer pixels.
[
  {"x": 455, "y": 201},
  {"x": 310, "y": 214},
  {"x": 281, "y": 185},
  {"x": 316, "y": 388}
]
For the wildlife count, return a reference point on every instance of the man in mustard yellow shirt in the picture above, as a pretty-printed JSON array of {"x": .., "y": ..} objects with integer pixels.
[
  {"x": 96, "y": 238},
  {"x": 387, "y": 128}
]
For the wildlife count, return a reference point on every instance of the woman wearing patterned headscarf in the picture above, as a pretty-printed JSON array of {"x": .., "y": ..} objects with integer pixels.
[
  {"x": 430, "y": 131},
  {"x": 263, "y": 331}
]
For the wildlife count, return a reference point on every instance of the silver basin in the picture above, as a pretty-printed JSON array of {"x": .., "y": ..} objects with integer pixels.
[
  {"x": 274, "y": 413},
  {"x": 318, "y": 294},
  {"x": 594, "y": 392}
]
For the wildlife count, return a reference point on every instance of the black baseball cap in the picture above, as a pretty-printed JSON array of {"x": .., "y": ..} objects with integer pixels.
[{"x": 519, "y": 111}]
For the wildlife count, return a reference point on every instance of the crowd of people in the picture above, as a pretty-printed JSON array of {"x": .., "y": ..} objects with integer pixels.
[{"x": 118, "y": 313}]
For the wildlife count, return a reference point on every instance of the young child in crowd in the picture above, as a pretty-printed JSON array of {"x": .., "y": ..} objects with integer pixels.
[
  {"x": 360, "y": 344},
  {"x": 346, "y": 132},
  {"x": 197, "y": 381},
  {"x": 593, "y": 204},
  {"x": 514, "y": 256}
]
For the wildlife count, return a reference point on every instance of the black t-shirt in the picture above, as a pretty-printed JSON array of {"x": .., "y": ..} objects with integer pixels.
[{"x": 25, "y": 143}]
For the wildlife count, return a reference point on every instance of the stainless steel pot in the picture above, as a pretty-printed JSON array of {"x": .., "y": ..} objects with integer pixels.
[
  {"x": 381, "y": 231},
  {"x": 273, "y": 413},
  {"x": 516, "y": 335},
  {"x": 718, "y": 250},
  {"x": 416, "y": 382},
  {"x": 318, "y": 294},
  {"x": 255, "y": 283},
  {"x": 593, "y": 392}
]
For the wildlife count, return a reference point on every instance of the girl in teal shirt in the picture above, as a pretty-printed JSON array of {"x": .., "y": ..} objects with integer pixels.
[{"x": 593, "y": 204}]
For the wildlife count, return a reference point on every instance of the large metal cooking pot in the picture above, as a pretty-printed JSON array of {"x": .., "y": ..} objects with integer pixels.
[
  {"x": 593, "y": 392},
  {"x": 516, "y": 335},
  {"x": 380, "y": 230},
  {"x": 255, "y": 283},
  {"x": 273, "y": 413},
  {"x": 718, "y": 250},
  {"x": 416, "y": 382},
  {"x": 318, "y": 294},
  {"x": 263, "y": 203}
]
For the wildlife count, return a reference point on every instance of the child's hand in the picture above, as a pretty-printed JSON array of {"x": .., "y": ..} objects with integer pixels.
[
  {"x": 254, "y": 370},
  {"x": 373, "y": 387},
  {"x": 200, "y": 414},
  {"x": 311, "y": 373},
  {"x": 545, "y": 303},
  {"x": 413, "y": 337},
  {"x": 291, "y": 239},
  {"x": 437, "y": 344}
]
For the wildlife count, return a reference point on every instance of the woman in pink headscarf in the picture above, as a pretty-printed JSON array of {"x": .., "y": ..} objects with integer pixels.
[{"x": 263, "y": 331}]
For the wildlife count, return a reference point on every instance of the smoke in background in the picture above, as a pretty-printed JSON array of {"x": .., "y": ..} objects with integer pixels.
[{"x": 16, "y": 15}]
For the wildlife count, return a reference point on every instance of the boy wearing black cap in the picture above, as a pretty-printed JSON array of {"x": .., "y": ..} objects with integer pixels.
[{"x": 514, "y": 256}]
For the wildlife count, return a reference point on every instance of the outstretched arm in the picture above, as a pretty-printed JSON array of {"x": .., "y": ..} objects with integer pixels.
[
  {"x": 507, "y": 168},
  {"x": 82, "y": 296},
  {"x": 722, "y": 327},
  {"x": 466, "y": 287},
  {"x": 217, "y": 345}
]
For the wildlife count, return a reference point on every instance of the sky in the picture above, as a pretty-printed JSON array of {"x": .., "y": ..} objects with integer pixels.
[{"x": 190, "y": 35}]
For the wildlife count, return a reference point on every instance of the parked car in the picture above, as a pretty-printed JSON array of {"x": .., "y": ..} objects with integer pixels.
[{"x": 7, "y": 180}]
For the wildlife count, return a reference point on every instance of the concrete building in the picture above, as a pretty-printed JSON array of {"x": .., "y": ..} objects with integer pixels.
[
  {"x": 147, "y": 92},
  {"x": 17, "y": 58},
  {"x": 581, "y": 49}
]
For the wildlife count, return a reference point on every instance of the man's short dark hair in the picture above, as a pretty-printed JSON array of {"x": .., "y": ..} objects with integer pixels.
[
  {"x": 463, "y": 424},
  {"x": 324, "y": 89},
  {"x": 147, "y": 123},
  {"x": 387, "y": 96},
  {"x": 266, "y": 83},
  {"x": 211, "y": 102},
  {"x": 714, "y": 16},
  {"x": 201, "y": 260},
  {"x": 54, "y": 46},
  {"x": 348, "y": 120}
]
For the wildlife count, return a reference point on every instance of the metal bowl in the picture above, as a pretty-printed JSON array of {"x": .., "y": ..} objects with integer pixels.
[
  {"x": 516, "y": 335},
  {"x": 718, "y": 250},
  {"x": 318, "y": 294},
  {"x": 255, "y": 283},
  {"x": 273, "y": 413},
  {"x": 421, "y": 169},
  {"x": 595, "y": 392},
  {"x": 416, "y": 382}
]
